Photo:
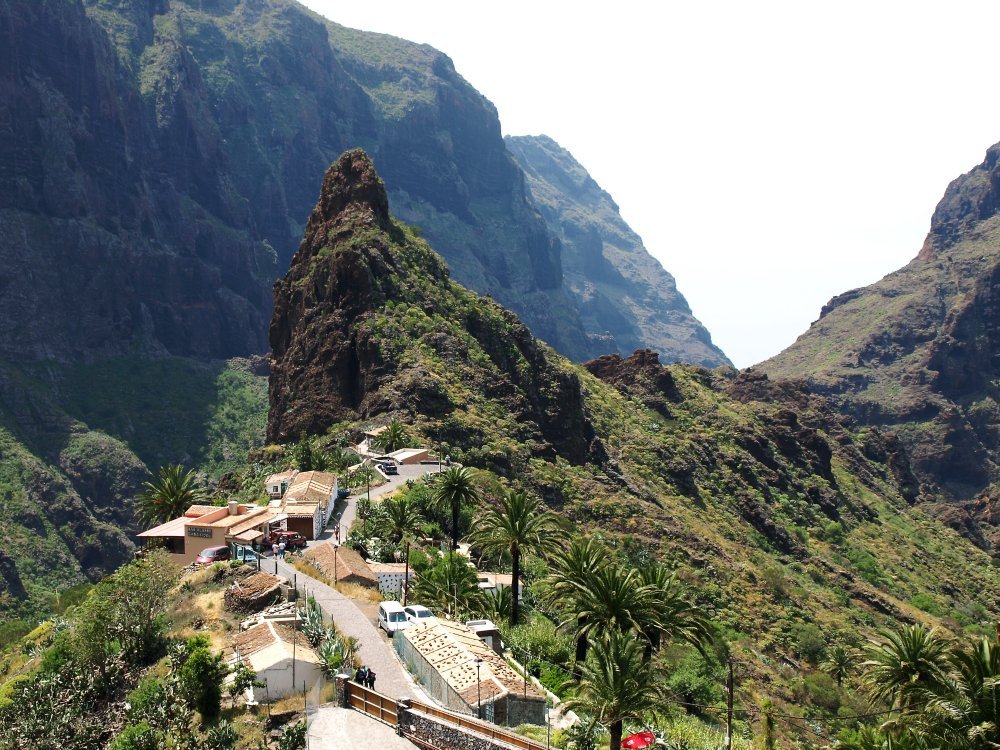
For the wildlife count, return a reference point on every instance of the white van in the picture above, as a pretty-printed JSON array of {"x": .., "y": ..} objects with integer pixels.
[{"x": 391, "y": 617}]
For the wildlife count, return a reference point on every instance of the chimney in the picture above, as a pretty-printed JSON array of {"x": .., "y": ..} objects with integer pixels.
[{"x": 234, "y": 508}]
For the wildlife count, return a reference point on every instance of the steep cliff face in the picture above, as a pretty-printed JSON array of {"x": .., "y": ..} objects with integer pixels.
[
  {"x": 159, "y": 159},
  {"x": 919, "y": 353},
  {"x": 361, "y": 300},
  {"x": 622, "y": 292}
]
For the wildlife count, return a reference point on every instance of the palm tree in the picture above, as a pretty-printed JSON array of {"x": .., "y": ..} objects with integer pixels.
[
  {"x": 839, "y": 663},
  {"x": 403, "y": 523},
  {"x": 671, "y": 612},
  {"x": 173, "y": 492},
  {"x": 910, "y": 662},
  {"x": 616, "y": 684},
  {"x": 392, "y": 438},
  {"x": 572, "y": 569},
  {"x": 450, "y": 584},
  {"x": 518, "y": 525},
  {"x": 453, "y": 488}
]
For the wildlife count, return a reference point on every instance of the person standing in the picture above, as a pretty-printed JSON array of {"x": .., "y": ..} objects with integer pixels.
[
  {"x": 281, "y": 549},
  {"x": 274, "y": 548},
  {"x": 371, "y": 679}
]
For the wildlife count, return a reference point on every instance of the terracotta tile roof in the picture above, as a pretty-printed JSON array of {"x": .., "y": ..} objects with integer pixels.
[
  {"x": 263, "y": 636},
  {"x": 313, "y": 487},
  {"x": 347, "y": 562},
  {"x": 393, "y": 567},
  {"x": 451, "y": 648},
  {"x": 252, "y": 521},
  {"x": 173, "y": 528},
  {"x": 197, "y": 511},
  {"x": 301, "y": 510},
  {"x": 227, "y": 522}
]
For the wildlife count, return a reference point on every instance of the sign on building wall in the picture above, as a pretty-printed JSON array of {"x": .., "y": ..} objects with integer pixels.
[{"x": 198, "y": 531}]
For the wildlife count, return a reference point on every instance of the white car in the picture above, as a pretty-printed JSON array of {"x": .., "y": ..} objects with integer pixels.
[
  {"x": 417, "y": 613},
  {"x": 391, "y": 617}
]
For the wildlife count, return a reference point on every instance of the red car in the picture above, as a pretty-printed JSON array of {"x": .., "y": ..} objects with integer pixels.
[
  {"x": 292, "y": 539},
  {"x": 211, "y": 555}
]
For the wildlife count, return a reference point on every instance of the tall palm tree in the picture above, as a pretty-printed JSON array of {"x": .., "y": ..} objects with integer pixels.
[
  {"x": 671, "y": 613},
  {"x": 403, "y": 524},
  {"x": 839, "y": 663},
  {"x": 616, "y": 599},
  {"x": 963, "y": 709},
  {"x": 170, "y": 495},
  {"x": 572, "y": 569},
  {"x": 616, "y": 684},
  {"x": 517, "y": 525},
  {"x": 453, "y": 488},
  {"x": 909, "y": 662},
  {"x": 451, "y": 583},
  {"x": 392, "y": 438}
]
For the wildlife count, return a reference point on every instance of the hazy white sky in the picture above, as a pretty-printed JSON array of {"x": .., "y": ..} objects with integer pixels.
[{"x": 770, "y": 154}]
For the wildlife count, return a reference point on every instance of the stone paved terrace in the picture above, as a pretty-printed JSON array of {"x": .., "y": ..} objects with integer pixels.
[{"x": 346, "y": 729}]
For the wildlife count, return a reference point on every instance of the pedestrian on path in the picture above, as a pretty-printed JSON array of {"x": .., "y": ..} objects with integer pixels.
[
  {"x": 371, "y": 679},
  {"x": 274, "y": 549},
  {"x": 281, "y": 549}
]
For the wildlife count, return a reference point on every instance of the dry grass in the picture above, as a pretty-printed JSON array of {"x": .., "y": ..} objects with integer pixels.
[{"x": 360, "y": 593}]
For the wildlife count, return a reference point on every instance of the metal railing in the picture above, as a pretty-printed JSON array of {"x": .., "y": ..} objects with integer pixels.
[
  {"x": 476, "y": 725},
  {"x": 376, "y": 705}
]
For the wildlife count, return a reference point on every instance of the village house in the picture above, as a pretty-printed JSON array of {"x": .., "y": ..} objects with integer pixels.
[
  {"x": 280, "y": 656},
  {"x": 342, "y": 565},
  {"x": 204, "y": 526},
  {"x": 276, "y": 484},
  {"x": 494, "y": 583},
  {"x": 461, "y": 672},
  {"x": 308, "y": 502},
  {"x": 390, "y": 577}
]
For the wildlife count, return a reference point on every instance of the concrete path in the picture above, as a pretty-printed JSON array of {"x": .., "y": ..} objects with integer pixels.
[
  {"x": 345, "y": 729},
  {"x": 375, "y": 651}
]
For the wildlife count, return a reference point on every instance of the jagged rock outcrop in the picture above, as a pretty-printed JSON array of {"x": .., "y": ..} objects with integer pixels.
[
  {"x": 918, "y": 354},
  {"x": 625, "y": 297},
  {"x": 356, "y": 278}
]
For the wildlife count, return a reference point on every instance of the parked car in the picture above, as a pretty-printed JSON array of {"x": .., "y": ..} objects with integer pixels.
[
  {"x": 292, "y": 539},
  {"x": 391, "y": 617},
  {"x": 388, "y": 468},
  {"x": 417, "y": 612},
  {"x": 343, "y": 492},
  {"x": 211, "y": 555},
  {"x": 246, "y": 554}
]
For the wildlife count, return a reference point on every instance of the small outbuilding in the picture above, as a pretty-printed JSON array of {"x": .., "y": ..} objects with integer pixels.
[{"x": 279, "y": 656}]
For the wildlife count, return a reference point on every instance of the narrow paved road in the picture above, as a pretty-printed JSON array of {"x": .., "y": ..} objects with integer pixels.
[
  {"x": 349, "y": 513},
  {"x": 375, "y": 651}
]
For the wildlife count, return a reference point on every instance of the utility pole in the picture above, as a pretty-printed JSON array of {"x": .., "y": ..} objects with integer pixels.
[{"x": 729, "y": 705}]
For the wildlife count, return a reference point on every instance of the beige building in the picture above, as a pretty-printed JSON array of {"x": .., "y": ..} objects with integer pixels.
[
  {"x": 276, "y": 484},
  {"x": 204, "y": 526},
  {"x": 464, "y": 674},
  {"x": 342, "y": 565},
  {"x": 390, "y": 577},
  {"x": 309, "y": 502},
  {"x": 280, "y": 656}
]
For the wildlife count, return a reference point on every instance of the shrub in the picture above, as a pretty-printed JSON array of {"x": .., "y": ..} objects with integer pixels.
[
  {"x": 540, "y": 639},
  {"x": 927, "y": 604},
  {"x": 774, "y": 579},
  {"x": 201, "y": 678},
  {"x": 809, "y": 641},
  {"x": 147, "y": 698},
  {"x": 822, "y": 690},
  {"x": 139, "y": 736}
]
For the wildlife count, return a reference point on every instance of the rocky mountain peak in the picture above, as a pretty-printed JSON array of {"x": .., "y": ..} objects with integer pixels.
[{"x": 352, "y": 194}]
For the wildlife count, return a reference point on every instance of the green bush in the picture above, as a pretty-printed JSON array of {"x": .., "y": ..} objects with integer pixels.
[
  {"x": 822, "y": 690},
  {"x": 201, "y": 678},
  {"x": 927, "y": 604},
  {"x": 540, "y": 639},
  {"x": 139, "y": 736},
  {"x": 809, "y": 641},
  {"x": 147, "y": 698},
  {"x": 695, "y": 680}
]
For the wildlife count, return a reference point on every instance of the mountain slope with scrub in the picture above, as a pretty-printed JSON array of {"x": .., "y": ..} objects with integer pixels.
[
  {"x": 764, "y": 497},
  {"x": 917, "y": 354}
]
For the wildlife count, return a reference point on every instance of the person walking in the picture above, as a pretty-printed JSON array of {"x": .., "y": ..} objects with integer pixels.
[
  {"x": 281, "y": 549},
  {"x": 360, "y": 676},
  {"x": 371, "y": 679},
  {"x": 274, "y": 548}
]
